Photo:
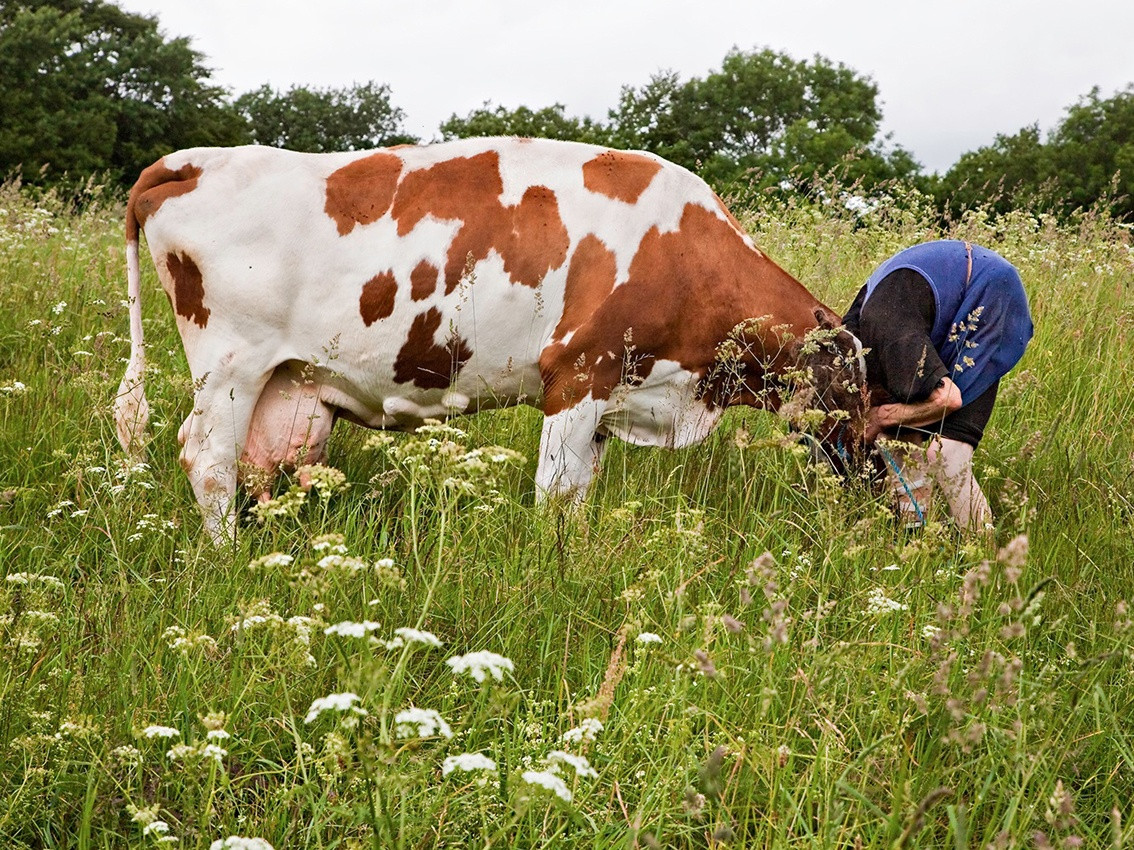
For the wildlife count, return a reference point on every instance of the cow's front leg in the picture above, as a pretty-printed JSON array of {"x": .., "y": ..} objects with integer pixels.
[
  {"x": 213, "y": 437},
  {"x": 570, "y": 451}
]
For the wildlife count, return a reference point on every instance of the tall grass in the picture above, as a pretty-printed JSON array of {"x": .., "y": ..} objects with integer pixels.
[{"x": 724, "y": 648}]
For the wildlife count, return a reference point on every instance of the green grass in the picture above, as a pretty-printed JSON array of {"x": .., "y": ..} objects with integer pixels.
[{"x": 988, "y": 706}]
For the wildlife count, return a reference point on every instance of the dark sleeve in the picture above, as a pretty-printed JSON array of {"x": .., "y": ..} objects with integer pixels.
[{"x": 895, "y": 325}]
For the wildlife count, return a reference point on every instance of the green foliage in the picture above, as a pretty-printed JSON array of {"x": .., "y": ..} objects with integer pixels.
[
  {"x": 547, "y": 123},
  {"x": 854, "y": 687},
  {"x": 316, "y": 120},
  {"x": 1087, "y": 160},
  {"x": 763, "y": 117},
  {"x": 86, "y": 87}
]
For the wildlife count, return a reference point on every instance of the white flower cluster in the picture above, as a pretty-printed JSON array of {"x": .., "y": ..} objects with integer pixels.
[
  {"x": 467, "y": 762},
  {"x": 346, "y": 702},
  {"x": 549, "y": 782},
  {"x": 273, "y": 561},
  {"x": 646, "y": 638},
  {"x": 420, "y": 723},
  {"x": 878, "y": 603},
  {"x": 586, "y": 731},
  {"x": 160, "y": 732},
  {"x": 351, "y": 629},
  {"x": 408, "y": 635},
  {"x": 557, "y": 758},
  {"x": 481, "y": 664},
  {"x": 186, "y": 643},
  {"x": 14, "y": 388},
  {"x": 235, "y": 842},
  {"x": 25, "y": 579}
]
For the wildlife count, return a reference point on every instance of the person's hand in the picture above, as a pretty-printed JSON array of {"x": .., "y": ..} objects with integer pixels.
[{"x": 876, "y": 421}]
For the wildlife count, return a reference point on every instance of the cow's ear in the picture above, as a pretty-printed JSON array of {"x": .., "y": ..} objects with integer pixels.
[{"x": 827, "y": 320}]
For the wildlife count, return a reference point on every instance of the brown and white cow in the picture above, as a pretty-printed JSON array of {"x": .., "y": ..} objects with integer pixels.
[{"x": 397, "y": 285}]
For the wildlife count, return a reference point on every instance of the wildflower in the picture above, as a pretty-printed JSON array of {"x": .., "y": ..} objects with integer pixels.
[
  {"x": 646, "y": 638},
  {"x": 731, "y": 624},
  {"x": 878, "y": 603},
  {"x": 333, "y": 544},
  {"x": 186, "y": 642},
  {"x": 930, "y": 631},
  {"x": 50, "y": 582},
  {"x": 325, "y": 479},
  {"x": 549, "y": 782},
  {"x": 217, "y": 735},
  {"x": 14, "y": 388},
  {"x": 157, "y": 827},
  {"x": 58, "y": 308},
  {"x": 344, "y": 702},
  {"x": 467, "y": 762},
  {"x": 480, "y": 664},
  {"x": 415, "y": 636},
  {"x": 349, "y": 629},
  {"x": 127, "y": 756},
  {"x": 581, "y": 766},
  {"x": 342, "y": 563},
  {"x": 421, "y": 723},
  {"x": 235, "y": 842},
  {"x": 214, "y": 752},
  {"x": 586, "y": 731},
  {"x": 180, "y": 752},
  {"x": 160, "y": 732},
  {"x": 705, "y": 664},
  {"x": 274, "y": 561}
]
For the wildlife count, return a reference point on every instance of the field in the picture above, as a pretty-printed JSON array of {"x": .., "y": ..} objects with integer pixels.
[{"x": 723, "y": 649}]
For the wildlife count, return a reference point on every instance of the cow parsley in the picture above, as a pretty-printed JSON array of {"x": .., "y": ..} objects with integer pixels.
[
  {"x": 481, "y": 664},
  {"x": 350, "y": 629},
  {"x": 416, "y": 636},
  {"x": 344, "y": 702},
  {"x": 467, "y": 762},
  {"x": 549, "y": 782},
  {"x": 420, "y": 723}
]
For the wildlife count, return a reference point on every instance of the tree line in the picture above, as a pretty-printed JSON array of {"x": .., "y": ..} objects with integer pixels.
[{"x": 86, "y": 87}]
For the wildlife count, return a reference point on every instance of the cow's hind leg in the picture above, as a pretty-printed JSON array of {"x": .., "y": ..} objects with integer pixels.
[
  {"x": 570, "y": 450},
  {"x": 214, "y": 435}
]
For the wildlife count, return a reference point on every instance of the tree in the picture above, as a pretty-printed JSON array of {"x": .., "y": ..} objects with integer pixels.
[
  {"x": 548, "y": 123},
  {"x": 1088, "y": 159},
  {"x": 86, "y": 87},
  {"x": 315, "y": 120},
  {"x": 766, "y": 114}
]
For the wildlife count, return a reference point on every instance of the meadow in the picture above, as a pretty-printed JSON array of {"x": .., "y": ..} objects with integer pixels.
[{"x": 725, "y": 648}]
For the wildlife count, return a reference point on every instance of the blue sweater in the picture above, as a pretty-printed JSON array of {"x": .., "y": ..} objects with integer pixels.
[{"x": 982, "y": 324}]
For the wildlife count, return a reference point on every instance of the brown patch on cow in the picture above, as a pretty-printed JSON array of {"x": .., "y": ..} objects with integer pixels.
[
  {"x": 619, "y": 175},
  {"x": 686, "y": 291},
  {"x": 530, "y": 237},
  {"x": 590, "y": 279},
  {"x": 188, "y": 288},
  {"x": 424, "y": 362},
  {"x": 156, "y": 185},
  {"x": 423, "y": 280},
  {"x": 361, "y": 192},
  {"x": 377, "y": 298}
]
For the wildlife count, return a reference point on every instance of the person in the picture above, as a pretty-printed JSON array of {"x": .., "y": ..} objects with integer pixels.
[{"x": 944, "y": 321}]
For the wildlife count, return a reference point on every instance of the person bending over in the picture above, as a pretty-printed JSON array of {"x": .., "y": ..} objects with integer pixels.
[{"x": 943, "y": 321}]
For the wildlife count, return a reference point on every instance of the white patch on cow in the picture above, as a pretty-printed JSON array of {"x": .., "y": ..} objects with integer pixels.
[{"x": 663, "y": 411}]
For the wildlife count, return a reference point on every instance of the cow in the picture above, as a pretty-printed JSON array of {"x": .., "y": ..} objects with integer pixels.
[{"x": 612, "y": 289}]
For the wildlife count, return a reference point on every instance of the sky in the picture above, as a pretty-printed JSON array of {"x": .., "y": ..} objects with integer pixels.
[{"x": 950, "y": 75}]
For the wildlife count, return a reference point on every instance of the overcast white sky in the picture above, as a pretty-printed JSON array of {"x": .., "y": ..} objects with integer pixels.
[{"x": 951, "y": 75}]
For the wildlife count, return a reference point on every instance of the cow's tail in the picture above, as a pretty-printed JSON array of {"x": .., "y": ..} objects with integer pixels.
[{"x": 131, "y": 410}]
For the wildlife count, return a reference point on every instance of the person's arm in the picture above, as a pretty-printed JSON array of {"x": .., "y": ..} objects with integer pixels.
[{"x": 944, "y": 399}]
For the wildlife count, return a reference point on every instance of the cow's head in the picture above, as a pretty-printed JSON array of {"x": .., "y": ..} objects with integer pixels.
[{"x": 829, "y": 401}]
